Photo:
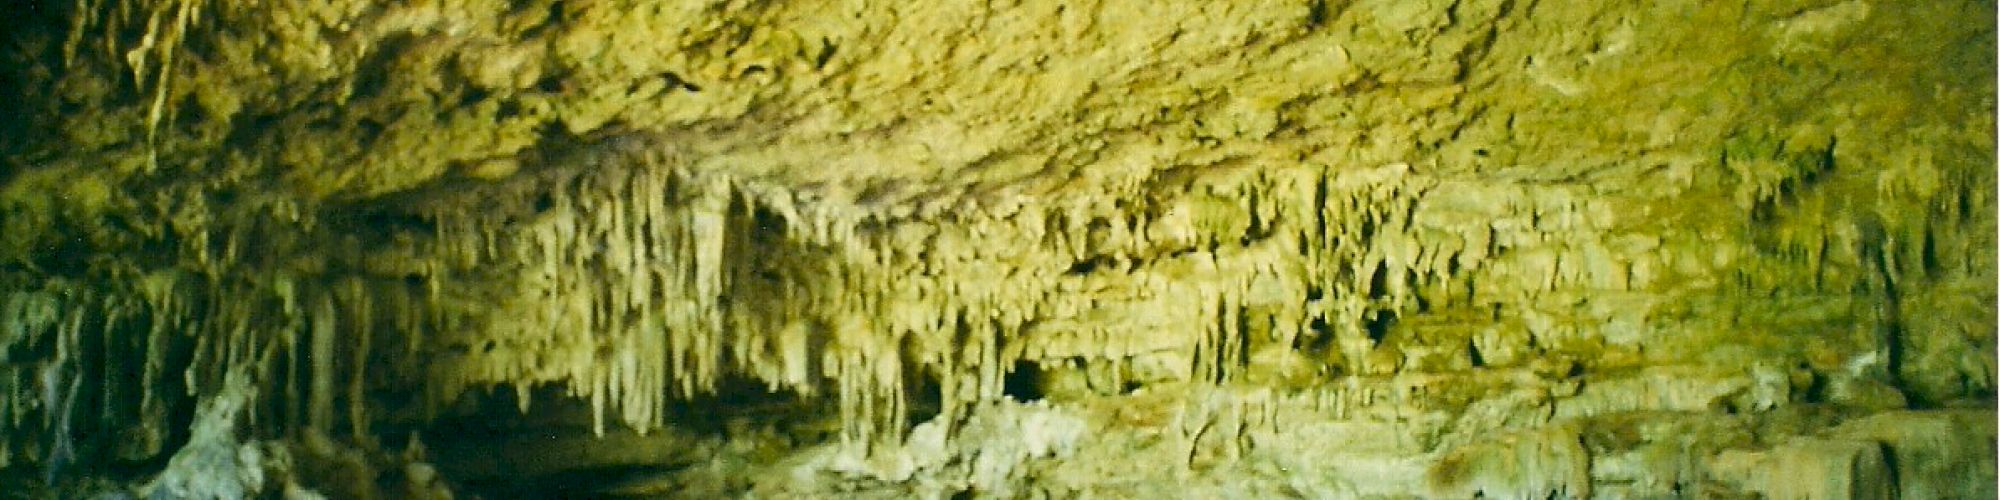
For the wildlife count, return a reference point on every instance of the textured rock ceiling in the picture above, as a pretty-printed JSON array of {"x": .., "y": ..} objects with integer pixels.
[{"x": 1315, "y": 248}]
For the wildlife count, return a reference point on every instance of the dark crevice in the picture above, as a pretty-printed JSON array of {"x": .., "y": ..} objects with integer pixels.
[
  {"x": 1023, "y": 383},
  {"x": 550, "y": 84},
  {"x": 1377, "y": 289},
  {"x": 1379, "y": 324},
  {"x": 1319, "y": 336},
  {"x": 381, "y": 225},
  {"x": 674, "y": 81},
  {"x": 544, "y": 202},
  {"x": 472, "y": 96},
  {"x": 27, "y": 39},
  {"x": 1088, "y": 266},
  {"x": 375, "y": 72},
  {"x": 826, "y": 50},
  {"x": 494, "y": 450}
]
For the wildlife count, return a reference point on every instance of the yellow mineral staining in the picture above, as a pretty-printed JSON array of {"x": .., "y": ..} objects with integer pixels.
[
  {"x": 1484, "y": 247},
  {"x": 1546, "y": 463},
  {"x": 163, "y": 27},
  {"x": 492, "y": 169}
]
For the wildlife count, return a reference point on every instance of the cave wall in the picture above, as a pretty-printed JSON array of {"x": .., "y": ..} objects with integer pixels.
[{"x": 1510, "y": 229}]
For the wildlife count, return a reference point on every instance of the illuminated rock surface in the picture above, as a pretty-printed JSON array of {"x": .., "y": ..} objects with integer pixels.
[{"x": 1379, "y": 249}]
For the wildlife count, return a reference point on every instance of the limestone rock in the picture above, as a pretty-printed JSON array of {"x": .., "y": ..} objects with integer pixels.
[{"x": 1041, "y": 248}]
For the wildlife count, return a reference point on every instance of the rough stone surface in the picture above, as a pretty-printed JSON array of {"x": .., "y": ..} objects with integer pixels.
[{"x": 1328, "y": 249}]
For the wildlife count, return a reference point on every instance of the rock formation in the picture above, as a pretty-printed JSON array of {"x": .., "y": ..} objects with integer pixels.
[{"x": 1320, "y": 249}]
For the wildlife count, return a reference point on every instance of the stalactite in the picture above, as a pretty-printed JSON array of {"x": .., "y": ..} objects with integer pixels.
[
  {"x": 641, "y": 282},
  {"x": 361, "y": 310},
  {"x": 636, "y": 269},
  {"x": 603, "y": 229},
  {"x": 320, "y": 358}
]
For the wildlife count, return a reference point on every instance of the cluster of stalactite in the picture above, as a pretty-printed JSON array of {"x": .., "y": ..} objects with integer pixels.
[{"x": 633, "y": 282}]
